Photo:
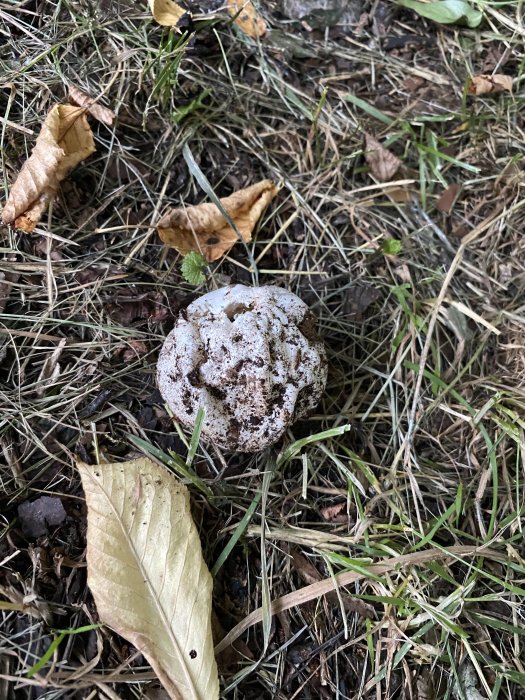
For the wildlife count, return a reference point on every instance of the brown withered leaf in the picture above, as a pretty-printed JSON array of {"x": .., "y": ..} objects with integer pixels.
[
  {"x": 64, "y": 141},
  {"x": 204, "y": 229},
  {"x": 335, "y": 513},
  {"x": 447, "y": 198},
  {"x": 166, "y": 12},
  {"x": 490, "y": 84},
  {"x": 82, "y": 99},
  {"x": 382, "y": 163},
  {"x": 247, "y": 18}
]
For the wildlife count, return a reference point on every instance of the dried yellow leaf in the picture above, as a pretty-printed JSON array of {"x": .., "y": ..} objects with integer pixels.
[
  {"x": 247, "y": 18},
  {"x": 382, "y": 163},
  {"x": 147, "y": 574},
  {"x": 166, "y": 12},
  {"x": 82, "y": 99},
  {"x": 487, "y": 84},
  {"x": 64, "y": 141},
  {"x": 204, "y": 229}
]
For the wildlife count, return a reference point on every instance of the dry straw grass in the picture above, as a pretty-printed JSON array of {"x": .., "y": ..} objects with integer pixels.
[{"x": 422, "y": 313}]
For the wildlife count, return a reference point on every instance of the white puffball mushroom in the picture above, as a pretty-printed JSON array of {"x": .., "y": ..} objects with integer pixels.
[{"x": 251, "y": 358}]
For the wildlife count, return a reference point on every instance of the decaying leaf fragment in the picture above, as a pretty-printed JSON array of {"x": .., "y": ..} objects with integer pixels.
[
  {"x": 247, "y": 18},
  {"x": 383, "y": 163},
  {"x": 447, "y": 198},
  {"x": 64, "y": 141},
  {"x": 82, "y": 99},
  {"x": 147, "y": 574},
  {"x": 490, "y": 84},
  {"x": 204, "y": 229},
  {"x": 166, "y": 12}
]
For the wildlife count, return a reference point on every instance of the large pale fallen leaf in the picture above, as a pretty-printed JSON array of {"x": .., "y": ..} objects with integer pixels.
[
  {"x": 487, "y": 84},
  {"x": 82, "y": 99},
  {"x": 382, "y": 163},
  {"x": 166, "y": 12},
  {"x": 64, "y": 141},
  {"x": 204, "y": 229},
  {"x": 147, "y": 574},
  {"x": 247, "y": 18}
]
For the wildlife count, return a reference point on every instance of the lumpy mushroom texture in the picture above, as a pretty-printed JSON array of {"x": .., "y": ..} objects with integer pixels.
[{"x": 251, "y": 358}]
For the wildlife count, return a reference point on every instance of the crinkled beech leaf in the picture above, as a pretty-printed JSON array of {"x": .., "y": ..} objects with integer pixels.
[
  {"x": 64, "y": 141},
  {"x": 204, "y": 229}
]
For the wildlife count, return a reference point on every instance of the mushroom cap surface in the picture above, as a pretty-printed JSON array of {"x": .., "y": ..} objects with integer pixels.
[{"x": 251, "y": 358}]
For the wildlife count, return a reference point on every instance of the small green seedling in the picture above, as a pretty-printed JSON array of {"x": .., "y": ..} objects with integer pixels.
[{"x": 192, "y": 268}]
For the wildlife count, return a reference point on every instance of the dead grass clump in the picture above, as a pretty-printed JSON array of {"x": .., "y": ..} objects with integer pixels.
[{"x": 421, "y": 310}]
